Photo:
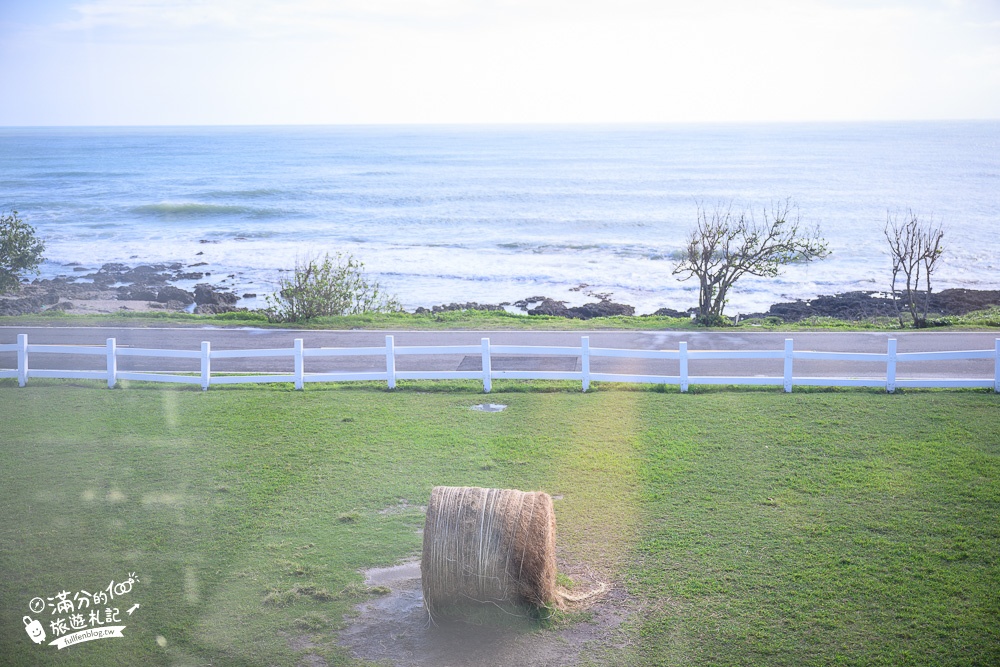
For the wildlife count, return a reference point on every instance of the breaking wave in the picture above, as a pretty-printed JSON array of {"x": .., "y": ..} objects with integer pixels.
[{"x": 193, "y": 210}]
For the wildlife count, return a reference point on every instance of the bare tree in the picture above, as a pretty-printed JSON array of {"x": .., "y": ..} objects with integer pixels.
[
  {"x": 728, "y": 244},
  {"x": 915, "y": 248}
]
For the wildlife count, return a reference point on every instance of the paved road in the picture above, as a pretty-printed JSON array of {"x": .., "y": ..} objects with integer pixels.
[{"x": 245, "y": 338}]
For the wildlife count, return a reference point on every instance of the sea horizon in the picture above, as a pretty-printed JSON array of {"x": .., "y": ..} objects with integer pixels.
[{"x": 525, "y": 124}]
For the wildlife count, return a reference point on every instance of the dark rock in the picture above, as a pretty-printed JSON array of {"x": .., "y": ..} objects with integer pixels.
[
  {"x": 25, "y": 306},
  {"x": 962, "y": 301},
  {"x": 250, "y": 295},
  {"x": 145, "y": 270},
  {"x": 170, "y": 293},
  {"x": 113, "y": 268},
  {"x": 49, "y": 291},
  {"x": 193, "y": 275},
  {"x": 847, "y": 306},
  {"x": 585, "y": 312},
  {"x": 205, "y": 294},
  {"x": 854, "y": 306},
  {"x": 109, "y": 274},
  {"x": 524, "y": 304},
  {"x": 48, "y": 283},
  {"x": 133, "y": 293},
  {"x": 601, "y": 309},
  {"x": 146, "y": 275},
  {"x": 549, "y": 307}
]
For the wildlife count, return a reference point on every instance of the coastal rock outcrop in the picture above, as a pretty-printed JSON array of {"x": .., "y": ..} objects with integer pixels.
[
  {"x": 171, "y": 293},
  {"x": 587, "y": 311},
  {"x": 25, "y": 306},
  {"x": 132, "y": 293},
  {"x": 152, "y": 283},
  {"x": 862, "y": 305},
  {"x": 207, "y": 295}
]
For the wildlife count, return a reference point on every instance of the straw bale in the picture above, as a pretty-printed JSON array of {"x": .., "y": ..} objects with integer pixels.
[{"x": 488, "y": 547}]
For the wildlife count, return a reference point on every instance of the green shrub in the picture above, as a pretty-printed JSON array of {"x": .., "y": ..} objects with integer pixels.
[
  {"x": 332, "y": 286},
  {"x": 20, "y": 250},
  {"x": 711, "y": 320}
]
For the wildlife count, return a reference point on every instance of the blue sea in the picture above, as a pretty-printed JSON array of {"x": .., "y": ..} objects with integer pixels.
[{"x": 492, "y": 214}]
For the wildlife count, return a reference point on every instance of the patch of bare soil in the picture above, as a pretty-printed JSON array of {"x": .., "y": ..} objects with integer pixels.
[
  {"x": 395, "y": 629},
  {"x": 304, "y": 643}
]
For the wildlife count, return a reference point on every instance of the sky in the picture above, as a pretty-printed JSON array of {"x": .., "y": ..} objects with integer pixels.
[{"x": 267, "y": 62}]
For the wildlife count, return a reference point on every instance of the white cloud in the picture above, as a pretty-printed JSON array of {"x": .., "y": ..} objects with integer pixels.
[
  {"x": 257, "y": 61},
  {"x": 250, "y": 16}
]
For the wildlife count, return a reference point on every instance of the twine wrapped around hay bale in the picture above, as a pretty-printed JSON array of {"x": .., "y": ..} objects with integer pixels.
[{"x": 492, "y": 547}]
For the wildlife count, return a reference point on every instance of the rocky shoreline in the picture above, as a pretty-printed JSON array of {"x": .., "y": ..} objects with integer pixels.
[
  {"x": 143, "y": 287},
  {"x": 854, "y": 306},
  {"x": 151, "y": 287}
]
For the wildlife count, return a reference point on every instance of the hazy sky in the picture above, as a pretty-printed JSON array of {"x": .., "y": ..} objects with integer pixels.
[{"x": 155, "y": 62}]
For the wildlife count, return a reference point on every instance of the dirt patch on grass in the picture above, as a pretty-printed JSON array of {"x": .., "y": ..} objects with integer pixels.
[
  {"x": 396, "y": 629},
  {"x": 303, "y": 643}
]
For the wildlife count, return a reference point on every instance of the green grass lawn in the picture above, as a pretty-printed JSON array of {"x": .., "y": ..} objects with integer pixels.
[
  {"x": 748, "y": 527},
  {"x": 488, "y": 320}
]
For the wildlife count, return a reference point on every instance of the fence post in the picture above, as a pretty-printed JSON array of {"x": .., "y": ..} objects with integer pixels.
[
  {"x": 390, "y": 361},
  {"x": 487, "y": 367},
  {"x": 300, "y": 366},
  {"x": 789, "y": 351},
  {"x": 206, "y": 364},
  {"x": 22, "y": 359},
  {"x": 890, "y": 367},
  {"x": 682, "y": 349},
  {"x": 112, "y": 363},
  {"x": 585, "y": 361},
  {"x": 996, "y": 368}
]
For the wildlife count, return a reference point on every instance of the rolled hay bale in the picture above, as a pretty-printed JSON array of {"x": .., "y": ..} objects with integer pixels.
[{"x": 488, "y": 548}]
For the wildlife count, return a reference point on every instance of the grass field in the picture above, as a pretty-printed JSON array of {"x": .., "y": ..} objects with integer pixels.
[
  {"x": 488, "y": 320},
  {"x": 748, "y": 527}
]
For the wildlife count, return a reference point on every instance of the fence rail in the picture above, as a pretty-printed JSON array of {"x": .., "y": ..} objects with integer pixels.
[{"x": 585, "y": 353}]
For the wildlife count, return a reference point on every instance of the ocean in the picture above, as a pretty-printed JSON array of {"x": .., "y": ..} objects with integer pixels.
[{"x": 443, "y": 214}]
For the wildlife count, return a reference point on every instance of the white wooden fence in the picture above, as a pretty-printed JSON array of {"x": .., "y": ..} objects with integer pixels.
[{"x": 390, "y": 352}]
